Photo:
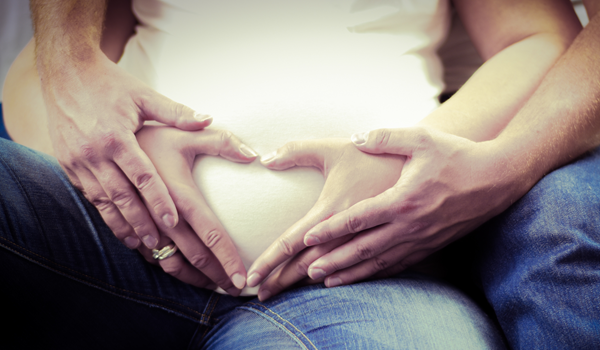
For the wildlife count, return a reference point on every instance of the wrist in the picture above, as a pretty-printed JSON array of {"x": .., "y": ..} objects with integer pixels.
[{"x": 518, "y": 164}]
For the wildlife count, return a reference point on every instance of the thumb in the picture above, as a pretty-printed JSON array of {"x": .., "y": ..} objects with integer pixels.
[
  {"x": 164, "y": 110},
  {"x": 401, "y": 141},
  {"x": 297, "y": 153}
]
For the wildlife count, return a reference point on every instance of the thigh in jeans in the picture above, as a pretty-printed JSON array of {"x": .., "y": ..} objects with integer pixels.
[
  {"x": 540, "y": 261},
  {"x": 65, "y": 277},
  {"x": 410, "y": 311}
]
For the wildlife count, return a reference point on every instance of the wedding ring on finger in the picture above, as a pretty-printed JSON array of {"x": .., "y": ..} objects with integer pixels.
[{"x": 165, "y": 252}]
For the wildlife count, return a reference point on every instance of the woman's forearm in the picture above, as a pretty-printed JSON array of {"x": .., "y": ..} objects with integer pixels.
[
  {"x": 487, "y": 102},
  {"x": 520, "y": 42}
]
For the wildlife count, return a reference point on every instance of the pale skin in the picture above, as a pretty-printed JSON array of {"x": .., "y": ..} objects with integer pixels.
[
  {"x": 466, "y": 162},
  {"x": 535, "y": 46}
]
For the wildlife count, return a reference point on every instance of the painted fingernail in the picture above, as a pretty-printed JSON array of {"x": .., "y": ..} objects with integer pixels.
[
  {"x": 315, "y": 273},
  {"x": 264, "y": 295},
  {"x": 253, "y": 279},
  {"x": 360, "y": 139},
  {"x": 311, "y": 240},
  {"x": 169, "y": 220},
  {"x": 247, "y": 151},
  {"x": 268, "y": 158},
  {"x": 238, "y": 281},
  {"x": 202, "y": 117},
  {"x": 333, "y": 282},
  {"x": 149, "y": 241},
  {"x": 131, "y": 242}
]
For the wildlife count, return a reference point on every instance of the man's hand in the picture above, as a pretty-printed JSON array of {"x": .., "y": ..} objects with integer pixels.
[
  {"x": 351, "y": 176},
  {"x": 93, "y": 109},
  {"x": 93, "y": 115},
  {"x": 449, "y": 186},
  {"x": 210, "y": 253}
]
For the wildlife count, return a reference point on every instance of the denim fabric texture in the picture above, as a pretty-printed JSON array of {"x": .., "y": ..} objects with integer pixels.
[
  {"x": 68, "y": 283},
  {"x": 540, "y": 261}
]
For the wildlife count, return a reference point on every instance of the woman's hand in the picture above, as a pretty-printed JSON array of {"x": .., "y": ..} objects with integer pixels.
[
  {"x": 351, "y": 176},
  {"x": 449, "y": 186},
  {"x": 210, "y": 253}
]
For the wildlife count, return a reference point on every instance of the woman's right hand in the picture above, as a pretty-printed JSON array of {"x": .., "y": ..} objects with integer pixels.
[{"x": 210, "y": 255}]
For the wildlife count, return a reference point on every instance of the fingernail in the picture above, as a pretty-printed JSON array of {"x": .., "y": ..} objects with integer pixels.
[
  {"x": 149, "y": 241},
  {"x": 269, "y": 157},
  {"x": 360, "y": 139},
  {"x": 253, "y": 280},
  {"x": 333, "y": 282},
  {"x": 264, "y": 295},
  {"x": 238, "y": 281},
  {"x": 247, "y": 151},
  {"x": 311, "y": 240},
  {"x": 131, "y": 242},
  {"x": 315, "y": 273},
  {"x": 202, "y": 117},
  {"x": 169, "y": 220}
]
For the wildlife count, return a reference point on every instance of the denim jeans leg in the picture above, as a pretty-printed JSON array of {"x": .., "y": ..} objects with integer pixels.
[
  {"x": 409, "y": 311},
  {"x": 67, "y": 280},
  {"x": 540, "y": 261}
]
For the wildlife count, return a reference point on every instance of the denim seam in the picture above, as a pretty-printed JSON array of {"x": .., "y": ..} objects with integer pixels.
[
  {"x": 203, "y": 318},
  {"x": 275, "y": 321}
]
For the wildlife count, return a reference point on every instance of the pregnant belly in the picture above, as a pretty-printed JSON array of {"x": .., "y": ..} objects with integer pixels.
[{"x": 256, "y": 205}]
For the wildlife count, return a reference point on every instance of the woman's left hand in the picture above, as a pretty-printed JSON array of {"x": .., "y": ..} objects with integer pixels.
[{"x": 351, "y": 176}]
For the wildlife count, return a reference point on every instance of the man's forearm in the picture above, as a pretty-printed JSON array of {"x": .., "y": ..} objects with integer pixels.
[
  {"x": 66, "y": 32},
  {"x": 562, "y": 119}
]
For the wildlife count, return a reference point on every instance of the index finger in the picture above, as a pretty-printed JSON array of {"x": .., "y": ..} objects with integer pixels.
[
  {"x": 363, "y": 215},
  {"x": 143, "y": 175},
  {"x": 286, "y": 246}
]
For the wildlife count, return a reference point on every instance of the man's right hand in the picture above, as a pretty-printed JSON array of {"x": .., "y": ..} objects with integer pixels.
[{"x": 94, "y": 109}]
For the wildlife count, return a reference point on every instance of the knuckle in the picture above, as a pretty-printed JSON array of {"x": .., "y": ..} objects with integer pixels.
[
  {"x": 122, "y": 198},
  {"x": 363, "y": 252},
  {"x": 354, "y": 224},
  {"x": 379, "y": 264},
  {"x": 86, "y": 152},
  {"x": 109, "y": 141},
  {"x": 226, "y": 137},
  {"x": 382, "y": 138},
  {"x": 285, "y": 246},
  {"x": 143, "y": 180},
  {"x": 200, "y": 261},
  {"x": 291, "y": 147},
  {"x": 178, "y": 109},
  {"x": 212, "y": 238},
  {"x": 102, "y": 203},
  {"x": 301, "y": 267}
]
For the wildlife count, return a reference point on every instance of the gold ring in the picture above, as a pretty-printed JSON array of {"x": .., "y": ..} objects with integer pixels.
[{"x": 165, "y": 252}]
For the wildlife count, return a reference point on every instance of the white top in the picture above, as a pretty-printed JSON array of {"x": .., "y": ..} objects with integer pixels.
[{"x": 273, "y": 71}]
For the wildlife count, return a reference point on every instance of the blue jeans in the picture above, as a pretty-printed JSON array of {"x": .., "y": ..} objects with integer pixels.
[
  {"x": 539, "y": 261},
  {"x": 67, "y": 282}
]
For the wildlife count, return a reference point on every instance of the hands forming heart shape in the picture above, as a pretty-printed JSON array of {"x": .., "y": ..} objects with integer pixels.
[{"x": 368, "y": 220}]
